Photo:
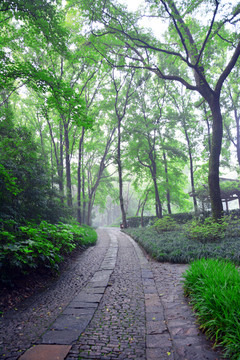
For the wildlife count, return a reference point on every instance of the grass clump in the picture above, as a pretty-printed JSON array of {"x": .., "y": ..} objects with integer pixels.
[{"x": 214, "y": 288}]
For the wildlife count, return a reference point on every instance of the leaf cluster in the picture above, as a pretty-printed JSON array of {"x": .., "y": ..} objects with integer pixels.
[
  {"x": 167, "y": 223},
  {"x": 207, "y": 231},
  {"x": 25, "y": 188},
  {"x": 24, "y": 248}
]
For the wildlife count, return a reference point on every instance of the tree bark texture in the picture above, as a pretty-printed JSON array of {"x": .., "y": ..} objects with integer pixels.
[
  {"x": 214, "y": 160},
  {"x": 79, "y": 186},
  {"x": 124, "y": 220},
  {"x": 167, "y": 183},
  {"x": 191, "y": 170},
  {"x": 68, "y": 165}
]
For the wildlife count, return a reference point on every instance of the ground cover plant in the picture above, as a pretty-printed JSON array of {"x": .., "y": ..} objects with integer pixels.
[
  {"x": 183, "y": 243},
  {"x": 214, "y": 288},
  {"x": 212, "y": 281},
  {"x": 24, "y": 248}
]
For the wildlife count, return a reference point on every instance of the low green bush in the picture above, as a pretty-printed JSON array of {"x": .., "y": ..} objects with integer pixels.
[
  {"x": 136, "y": 221},
  {"x": 166, "y": 223},
  {"x": 206, "y": 231},
  {"x": 214, "y": 288},
  {"x": 32, "y": 246},
  {"x": 182, "y": 218}
]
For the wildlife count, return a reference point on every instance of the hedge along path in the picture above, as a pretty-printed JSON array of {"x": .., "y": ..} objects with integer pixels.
[{"x": 161, "y": 324}]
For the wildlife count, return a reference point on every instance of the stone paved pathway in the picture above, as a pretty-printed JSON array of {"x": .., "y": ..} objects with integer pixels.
[{"x": 126, "y": 306}]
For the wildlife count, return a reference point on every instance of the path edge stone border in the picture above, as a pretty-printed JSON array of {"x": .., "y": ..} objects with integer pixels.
[{"x": 74, "y": 319}]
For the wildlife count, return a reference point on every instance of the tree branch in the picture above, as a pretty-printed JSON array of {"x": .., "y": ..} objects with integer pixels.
[
  {"x": 228, "y": 69},
  {"x": 209, "y": 32}
]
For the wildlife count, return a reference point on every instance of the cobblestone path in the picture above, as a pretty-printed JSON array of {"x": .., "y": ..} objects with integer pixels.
[
  {"x": 113, "y": 303},
  {"x": 117, "y": 330},
  {"x": 22, "y": 326}
]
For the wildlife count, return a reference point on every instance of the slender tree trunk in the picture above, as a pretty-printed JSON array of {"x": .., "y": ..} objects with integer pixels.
[
  {"x": 79, "y": 187},
  {"x": 167, "y": 183},
  {"x": 68, "y": 165},
  {"x": 124, "y": 220},
  {"x": 214, "y": 160},
  {"x": 83, "y": 197},
  {"x": 143, "y": 206},
  {"x": 89, "y": 211},
  {"x": 237, "y": 119},
  {"x": 158, "y": 203},
  {"x": 138, "y": 207},
  {"x": 191, "y": 171},
  {"x": 61, "y": 182},
  {"x": 52, "y": 163},
  {"x": 208, "y": 127},
  {"x": 58, "y": 157}
]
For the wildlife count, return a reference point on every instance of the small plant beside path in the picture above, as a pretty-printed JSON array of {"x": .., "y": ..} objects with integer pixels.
[
  {"x": 24, "y": 248},
  {"x": 214, "y": 289},
  {"x": 213, "y": 280},
  {"x": 182, "y": 243}
]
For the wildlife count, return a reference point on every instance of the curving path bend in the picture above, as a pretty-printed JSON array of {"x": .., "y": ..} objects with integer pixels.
[{"x": 114, "y": 302}]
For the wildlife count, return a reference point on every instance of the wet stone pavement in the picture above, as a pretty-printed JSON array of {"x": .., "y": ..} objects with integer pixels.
[{"x": 114, "y": 302}]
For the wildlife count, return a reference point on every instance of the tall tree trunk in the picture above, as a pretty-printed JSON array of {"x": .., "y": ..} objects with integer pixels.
[
  {"x": 89, "y": 211},
  {"x": 124, "y": 220},
  {"x": 214, "y": 160},
  {"x": 153, "y": 169},
  {"x": 237, "y": 119},
  {"x": 68, "y": 165},
  {"x": 83, "y": 197},
  {"x": 208, "y": 127},
  {"x": 158, "y": 203},
  {"x": 138, "y": 208},
  {"x": 143, "y": 206},
  {"x": 79, "y": 187},
  {"x": 191, "y": 170},
  {"x": 58, "y": 157},
  {"x": 60, "y": 171},
  {"x": 167, "y": 183}
]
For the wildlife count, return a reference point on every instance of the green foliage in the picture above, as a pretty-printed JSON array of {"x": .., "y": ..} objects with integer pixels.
[
  {"x": 182, "y": 218},
  {"x": 135, "y": 221},
  {"x": 173, "y": 246},
  {"x": 214, "y": 289},
  {"x": 209, "y": 230},
  {"x": 167, "y": 223},
  {"x": 25, "y": 188},
  {"x": 24, "y": 248}
]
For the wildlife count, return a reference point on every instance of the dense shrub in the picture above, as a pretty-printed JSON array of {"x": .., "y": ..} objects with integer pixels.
[
  {"x": 23, "y": 248},
  {"x": 206, "y": 231},
  {"x": 135, "y": 221},
  {"x": 182, "y": 218},
  {"x": 26, "y": 190},
  {"x": 214, "y": 289},
  {"x": 167, "y": 223}
]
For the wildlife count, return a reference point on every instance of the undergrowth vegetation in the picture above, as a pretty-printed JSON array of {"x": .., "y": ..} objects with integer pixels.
[
  {"x": 36, "y": 246},
  {"x": 212, "y": 281},
  {"x": 214, "y": 288},
  {"x": 183, "y": 243}
]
